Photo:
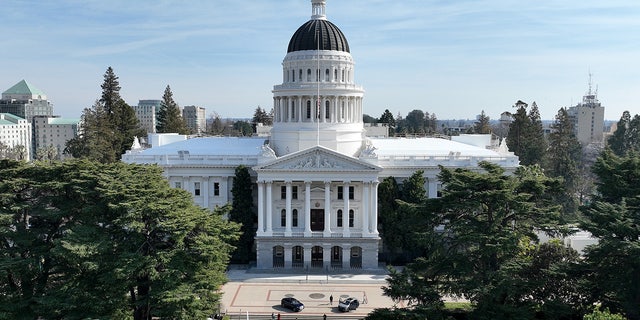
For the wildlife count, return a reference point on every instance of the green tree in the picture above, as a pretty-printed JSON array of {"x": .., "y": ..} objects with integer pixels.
[
  {"x": 414, "y": 121},
  {"x": 482, "y": 126},
  {"x": 387, "y": 117},
  {"x": 413, "y": 190},
  {"x": 368, "y": 119},
  {"x": 614, "y": 218},
  {"x": 564, "y": 157},
  {"x": 526, "y": 137},
  {"x": 390, "y": 225},
  {"x": 243, "y": 128},
  {"x": 108, "y": 128},
  {"x": 169, "y": 116},
  {"x": 242, "y": 213},
  {"x": 626, "y": 138},
  {"x": 89, "y": 240},
  {"x": 262, "y": 116}
]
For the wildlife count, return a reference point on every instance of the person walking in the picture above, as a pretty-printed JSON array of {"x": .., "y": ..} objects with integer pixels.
[
  {"x": 273, "y": 316},
  {"x": 331, "y": 299},
  {"x": 364, "y": 299},
  {"x": 278, "y": 315},
  {"x": 324, "y": 316}
]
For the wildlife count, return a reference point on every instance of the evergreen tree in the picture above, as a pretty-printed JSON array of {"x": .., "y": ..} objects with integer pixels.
[
  {"x": 413, "y": 190},
  {"x": 482, "y": 126},
  {"x": 390, "y": 225},
  {"x": 415, "y": 122},
  {"x": 261, "y": 116},
  {"x": 614, "y": 218},
  {"x": 387, "y": 117},
  {"x": 526, "y": 136},
  {"x": 564, "y": 156},
  {"x": 242, "y": 213},
  {"x": 169, "y": 116},
  {"x": 89, "y": 240},
  {"x": 108, "y": 128},
  {"x": 626, "y": 138}
]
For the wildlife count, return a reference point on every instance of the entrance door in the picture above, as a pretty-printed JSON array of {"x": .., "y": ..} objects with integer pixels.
[
  {"x": 317, "y": 219},
  {"x": 316, "y": 257}
]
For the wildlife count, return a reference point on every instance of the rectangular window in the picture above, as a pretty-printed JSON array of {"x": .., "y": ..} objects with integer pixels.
[
  {"x": 340, "y": 193},
  {"x": 283, "y": 192},
  {"x": 352, "y": 191},
  {"x": 196, "y": 188},
  {"x": 216, "y": 188},
  {"x": 177, "y": 185},
  {"x": 294, "y": 192}
]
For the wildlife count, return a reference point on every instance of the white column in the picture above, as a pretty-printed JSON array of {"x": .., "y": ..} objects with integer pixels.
[
  {"x": 269, "y": 204},
  {"x": 287, "y": 231},
  {"x": 345, "y": 211},
  {"x": 205, "y": 191},
  {"x": 299, "y": 106},
  {"x": 366, "y": 210},
  {"x": 307, "y": 208},
  {"x": 327, "y": 209},
  {"x": 260, "y": 208},
  {"x": 374, "y": 207}
]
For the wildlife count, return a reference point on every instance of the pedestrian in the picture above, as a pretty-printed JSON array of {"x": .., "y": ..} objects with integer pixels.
[
  {"x": 273, "y": 316},
  {"x": 324, "y": 316},
  {"x": 331, "y": 299},
  {"x": 364, "y": 299},
  {"x": 278, "y": 315}
]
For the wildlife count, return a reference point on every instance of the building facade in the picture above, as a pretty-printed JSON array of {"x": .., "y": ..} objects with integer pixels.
[
  {"x": 195, "y": 118},
  {"x": 588, "y": 118},
  {"x": 54, "y": 132},
  {"x": 147, "y": 113},
  {"x": 15, "y": 132},
  {"x": 25, "y": 101},
  {"x": 316, "y": 175}
]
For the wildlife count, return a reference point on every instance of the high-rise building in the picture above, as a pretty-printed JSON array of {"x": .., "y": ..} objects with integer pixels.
[
  {"x": 195, "y": 118},
  {"x": 588, "y": 118},
  {"x": 25, "y": 101},
  {"x": 15, "y": 132},
  {"x": 147, "y": 113},
  {"x": 316, "y": 177},
  {"x": 54, "y": 132}
]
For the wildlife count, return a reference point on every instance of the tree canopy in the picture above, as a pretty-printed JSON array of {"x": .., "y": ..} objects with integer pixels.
[
  {"x": 526, "y": 137},
  {"x": 170, "y": 118},
  {"x": 82, "y": 239}
]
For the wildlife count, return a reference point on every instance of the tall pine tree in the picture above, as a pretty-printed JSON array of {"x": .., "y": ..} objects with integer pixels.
[
  {"x": 526, "y": 136},
  {"x": 169, "y": 116},
  {"x": 108, "y": 128},
  {"x": 242, "y": 212}
]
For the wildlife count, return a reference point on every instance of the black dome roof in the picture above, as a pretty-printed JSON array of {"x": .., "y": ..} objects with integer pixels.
[{"x": 331, "y": 38}]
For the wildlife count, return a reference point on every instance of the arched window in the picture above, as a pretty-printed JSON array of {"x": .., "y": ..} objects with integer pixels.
[
  {"x": 351, "y": 218},
  {"x": 327, "y": 109},
  {"x": 308, "y": 109},
  {"x": 294, "y": 222},
  {"x": 283, "y": 218},
  {"x": 326, "y": 75},
  {"x": 300, "y": 75},
  {"x": 339, "y": 215},
  {"x": 293, "y": 76},
  {"x": 308, "y": 75},
  {"x": 342, "y": 110},
  {"x": 335, "y": 74},
  {"x": 342, "y": 75}
]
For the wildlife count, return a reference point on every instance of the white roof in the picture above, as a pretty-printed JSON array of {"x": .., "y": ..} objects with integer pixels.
[
  {"x": 427, "y": 147},
  {"x": 211, "y": 146}
]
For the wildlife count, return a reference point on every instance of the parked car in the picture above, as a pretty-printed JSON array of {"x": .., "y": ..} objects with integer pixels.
[
  {"x": 348, "y": 304},
  {"x": 292, "y": 303}
]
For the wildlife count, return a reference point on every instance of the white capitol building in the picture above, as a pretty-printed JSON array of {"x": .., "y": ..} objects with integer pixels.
[{"x": 316, "y": 175}]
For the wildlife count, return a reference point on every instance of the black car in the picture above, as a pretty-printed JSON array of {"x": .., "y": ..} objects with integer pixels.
[
  {"x": 348, "y": 304},
  {"x": 292, "y": 303}
]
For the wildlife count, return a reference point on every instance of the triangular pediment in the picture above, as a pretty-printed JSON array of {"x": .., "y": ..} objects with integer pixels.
[{"x": 317, "y": 159}]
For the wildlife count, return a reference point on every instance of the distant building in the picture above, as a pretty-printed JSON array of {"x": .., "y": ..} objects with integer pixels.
[
  {"x": 25, "y": 101},
  {"x": 196, "y": 118},
  {"x": 54, "y": 131},
  {"x": 15, "y": 131},
  {"x": 588, "y": 118},
  {"x": 147, "y": 113}
]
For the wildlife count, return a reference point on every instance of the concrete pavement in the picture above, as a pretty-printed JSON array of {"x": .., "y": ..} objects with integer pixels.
[{"x": 259, "y": 294}]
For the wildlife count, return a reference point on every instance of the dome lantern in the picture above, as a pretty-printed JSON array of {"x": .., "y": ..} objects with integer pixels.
[{"x": 318, "y": 9}]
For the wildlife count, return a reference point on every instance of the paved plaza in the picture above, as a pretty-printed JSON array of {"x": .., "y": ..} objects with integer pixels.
[{"x": 259, "y": 294}]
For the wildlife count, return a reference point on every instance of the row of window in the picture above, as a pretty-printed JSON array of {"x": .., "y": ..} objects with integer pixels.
[
  {"x": 294, "y": 192},
  {"x": 345, "y": 74},
  {"x": 196, "y": 188},
  {"x": 294, "y": 218}
]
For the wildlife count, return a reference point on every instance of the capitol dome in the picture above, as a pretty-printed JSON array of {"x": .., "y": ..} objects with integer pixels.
[{"x": 306, "y": 37}]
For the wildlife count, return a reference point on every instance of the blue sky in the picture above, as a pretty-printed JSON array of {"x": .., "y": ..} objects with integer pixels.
[{"x": 451, "y": 58}]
